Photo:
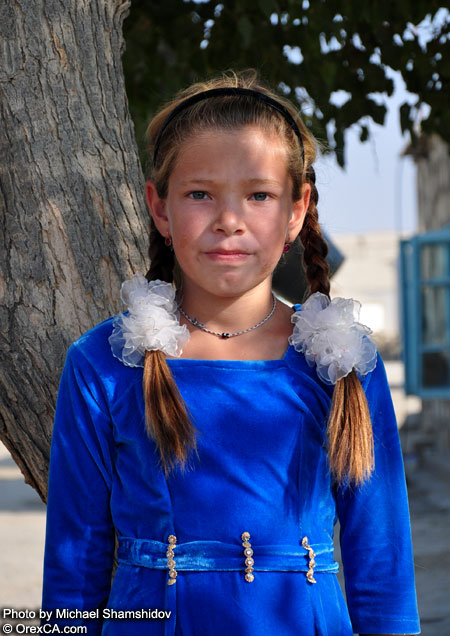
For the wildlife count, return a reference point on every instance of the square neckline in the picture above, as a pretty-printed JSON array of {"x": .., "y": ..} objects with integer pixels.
[
  {"x": 249, "y": 364},
  {"x": 244, "y": 364}
]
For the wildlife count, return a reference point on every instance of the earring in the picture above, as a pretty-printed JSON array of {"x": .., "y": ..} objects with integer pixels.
[
  {"x": 168, "y": 241},
  {"x": 286, "y": 247}
]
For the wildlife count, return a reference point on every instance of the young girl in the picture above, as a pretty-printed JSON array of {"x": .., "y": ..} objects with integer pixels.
[{"x": 210, "y": 437}]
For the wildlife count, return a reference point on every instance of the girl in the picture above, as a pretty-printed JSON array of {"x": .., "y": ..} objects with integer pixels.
[{"x": 204, "y": 440}]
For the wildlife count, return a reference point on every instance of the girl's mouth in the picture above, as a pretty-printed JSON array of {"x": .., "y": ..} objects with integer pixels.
[{"x": 227, "y": 255}]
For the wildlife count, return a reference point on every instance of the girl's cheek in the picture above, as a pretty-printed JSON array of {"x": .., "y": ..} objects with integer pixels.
[{"x": 182, "y": 241}]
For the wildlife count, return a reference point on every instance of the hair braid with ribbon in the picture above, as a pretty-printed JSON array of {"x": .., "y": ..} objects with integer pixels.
[
  {"x": 349, "y": 428},
  {"x": 166, "y": 415}
]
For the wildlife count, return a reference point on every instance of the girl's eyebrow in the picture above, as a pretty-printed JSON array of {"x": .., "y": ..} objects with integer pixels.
[
  {"x": 263, "y": 181},
  {"x": 189, "y": 182}
]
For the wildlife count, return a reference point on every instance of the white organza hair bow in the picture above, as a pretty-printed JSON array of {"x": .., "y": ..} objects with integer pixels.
[
  {"x": 151, "y": 323},
  {"x": 329, "y": 335}
]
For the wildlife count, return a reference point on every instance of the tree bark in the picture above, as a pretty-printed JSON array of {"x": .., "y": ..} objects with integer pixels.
[{"x": 71, "y": 202}]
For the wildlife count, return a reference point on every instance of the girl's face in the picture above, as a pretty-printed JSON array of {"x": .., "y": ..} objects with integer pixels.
[{"x": 229, "y": 209}]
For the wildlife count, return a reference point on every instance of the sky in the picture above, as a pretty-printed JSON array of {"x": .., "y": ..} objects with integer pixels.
[{"x": 377, "y": 189}]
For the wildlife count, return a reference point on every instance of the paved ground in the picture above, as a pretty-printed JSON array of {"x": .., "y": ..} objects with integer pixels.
[
  {"x": 430, "y": 517},
  {"x": 22, "y": 520}
]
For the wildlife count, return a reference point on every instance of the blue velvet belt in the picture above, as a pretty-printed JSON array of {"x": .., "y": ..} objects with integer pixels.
[{"x": 197, "y": 556}]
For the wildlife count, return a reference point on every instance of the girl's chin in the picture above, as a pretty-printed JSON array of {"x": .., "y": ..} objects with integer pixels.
[{"x": 225, "y": 286}]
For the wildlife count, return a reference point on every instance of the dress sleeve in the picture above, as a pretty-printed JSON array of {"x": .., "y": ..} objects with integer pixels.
[
  {"x": 80, "y": 540},
  {"x": 375, "y": 530}
]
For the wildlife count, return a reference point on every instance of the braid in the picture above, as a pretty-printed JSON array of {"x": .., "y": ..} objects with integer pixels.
[
  {"x": 162, "y": 259},
  {"x": 314, "y": 245},
  {"x": 166, "y": 417},
  {"x": 349, "y": 433},
  {"x": 349, "y": 429}
]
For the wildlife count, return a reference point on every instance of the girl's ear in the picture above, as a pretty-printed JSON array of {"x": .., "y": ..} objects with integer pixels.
[
  {"x": 299, "y": 210},
  {"x": 157, "y": 207}
]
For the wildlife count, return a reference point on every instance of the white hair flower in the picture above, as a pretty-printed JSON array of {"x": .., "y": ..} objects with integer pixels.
[
  {"x": 151, "y": 322},
  {"x": 329, "y": 335}
]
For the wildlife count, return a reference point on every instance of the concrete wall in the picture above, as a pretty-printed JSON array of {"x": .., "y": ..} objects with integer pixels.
[{"x": 370, "y": 274}]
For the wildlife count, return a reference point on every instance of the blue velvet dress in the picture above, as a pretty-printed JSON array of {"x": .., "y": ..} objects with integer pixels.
[{"x": 261, "y": 468}]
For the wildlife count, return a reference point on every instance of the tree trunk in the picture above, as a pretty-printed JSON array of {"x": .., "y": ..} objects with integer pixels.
[{"x": 72, "y": 212}]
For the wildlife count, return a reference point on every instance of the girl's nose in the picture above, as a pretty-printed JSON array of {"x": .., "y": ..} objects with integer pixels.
[{"x": 229, "y": 220}]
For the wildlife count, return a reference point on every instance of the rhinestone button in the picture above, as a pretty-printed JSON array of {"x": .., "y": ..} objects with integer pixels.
[
  {"x": 248, "y": 553},
  {"x": 170, "y": 559},
  {"x": 311, "y": 563}
]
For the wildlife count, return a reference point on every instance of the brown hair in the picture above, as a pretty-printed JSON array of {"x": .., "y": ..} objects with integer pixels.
[{"x": 349, "y": 429}]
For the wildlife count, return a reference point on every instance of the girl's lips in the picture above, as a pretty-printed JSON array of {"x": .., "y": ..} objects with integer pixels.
[{"x": 222, "y": 255}]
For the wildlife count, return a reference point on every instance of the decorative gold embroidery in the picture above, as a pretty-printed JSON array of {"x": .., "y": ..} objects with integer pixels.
[
  {"x": 312, "y": 563},
  {"x": 248, "y": 553},
  {"x": 170, "y": 560}
]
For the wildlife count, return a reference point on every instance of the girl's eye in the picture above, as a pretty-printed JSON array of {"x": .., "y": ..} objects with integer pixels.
[
  {"x": 198, "y": 195},
  {"x": 260, "y": 196}
]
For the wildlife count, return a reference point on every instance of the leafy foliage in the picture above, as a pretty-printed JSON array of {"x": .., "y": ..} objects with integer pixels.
[{"x": 310, "y": 50}]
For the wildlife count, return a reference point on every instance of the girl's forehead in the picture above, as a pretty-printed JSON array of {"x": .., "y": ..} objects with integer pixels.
[
  {"x": 219, "y": 147},
  {"x": 250, "y": 133}
]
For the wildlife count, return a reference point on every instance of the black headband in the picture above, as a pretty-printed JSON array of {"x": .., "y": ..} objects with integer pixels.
[{"x": 230, "y": 91}]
